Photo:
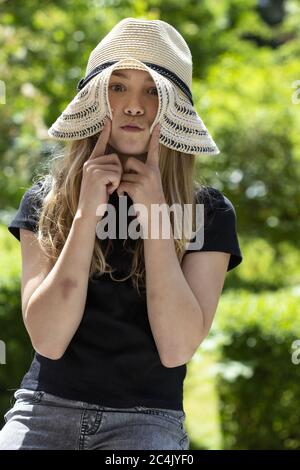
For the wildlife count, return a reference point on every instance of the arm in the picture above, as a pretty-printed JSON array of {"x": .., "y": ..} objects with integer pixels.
[
  {"x": 181, "y": 300},
  {"x": 55, "y": 309}
]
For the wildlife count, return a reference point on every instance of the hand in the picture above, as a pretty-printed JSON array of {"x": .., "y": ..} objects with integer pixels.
[
  {"x": 101, "y": 175},
  {"x": 144, "y": 186}
]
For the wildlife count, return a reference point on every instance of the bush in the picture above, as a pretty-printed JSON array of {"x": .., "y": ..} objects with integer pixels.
[
  {"x": 257, "y": 381},
  {"x": 265, "y": 266},
  {"x": 18, "y": 348}
]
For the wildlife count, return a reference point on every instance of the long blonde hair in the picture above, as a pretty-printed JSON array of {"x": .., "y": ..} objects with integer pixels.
[{"x": 63, "y": 182}]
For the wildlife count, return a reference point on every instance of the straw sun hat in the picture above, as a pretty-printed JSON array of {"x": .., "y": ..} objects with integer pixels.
[{"x": 153, "y": 46}]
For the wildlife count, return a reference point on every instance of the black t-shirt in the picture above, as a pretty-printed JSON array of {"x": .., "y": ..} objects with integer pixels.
[{"x": 112, "y": 359}]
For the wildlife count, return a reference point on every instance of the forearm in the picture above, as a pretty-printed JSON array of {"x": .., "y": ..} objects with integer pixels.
[
  {"x": 56, "y": 307},
  {"x": 175, "y": 316}
]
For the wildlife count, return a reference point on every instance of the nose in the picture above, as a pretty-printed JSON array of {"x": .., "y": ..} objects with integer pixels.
[{"x": 134, "y": 108}]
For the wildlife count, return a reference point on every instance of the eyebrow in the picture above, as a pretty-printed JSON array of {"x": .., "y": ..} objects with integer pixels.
[{"x": 123, "y": 75}]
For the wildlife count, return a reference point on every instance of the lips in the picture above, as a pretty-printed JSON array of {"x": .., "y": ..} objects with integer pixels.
[
  {"x": 133, "y": 125},
  {"x": 131, "y": 129}
]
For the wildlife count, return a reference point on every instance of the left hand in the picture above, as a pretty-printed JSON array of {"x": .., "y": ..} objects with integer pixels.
[{"x": 145, "y": 185}]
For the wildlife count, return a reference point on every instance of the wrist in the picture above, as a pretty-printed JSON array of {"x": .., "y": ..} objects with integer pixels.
[{"x": 86, "y": 217}]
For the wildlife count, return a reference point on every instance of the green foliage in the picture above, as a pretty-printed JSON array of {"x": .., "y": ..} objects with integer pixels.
[
  {"x": 10, "y": 255},
  {"x": 257, "y": 380},
  {"x": 245, "y": 89},
  {"x": 265, "y": 266},
  {"x": 201, "y": 400},
  {"x": 18, "y": 349},
  {"x": 240, "y": 90},
  {"x": 246, "y": 101}
]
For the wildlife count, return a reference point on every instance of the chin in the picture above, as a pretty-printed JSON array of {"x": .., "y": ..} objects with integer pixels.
[
  {"x": 132, "y": 151},
  {"x": 131, "y": 148}
]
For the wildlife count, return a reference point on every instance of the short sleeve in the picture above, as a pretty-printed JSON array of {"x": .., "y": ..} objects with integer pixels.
[
  {"x": 27, "y": 215},
  {"x": 220, "y": 227}
]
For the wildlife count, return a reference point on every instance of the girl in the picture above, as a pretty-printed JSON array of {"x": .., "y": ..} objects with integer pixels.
[{"x": 113, "y": 321}]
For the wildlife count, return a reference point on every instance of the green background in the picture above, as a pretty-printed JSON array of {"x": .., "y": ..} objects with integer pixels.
[{"x": 242, "y": 387}]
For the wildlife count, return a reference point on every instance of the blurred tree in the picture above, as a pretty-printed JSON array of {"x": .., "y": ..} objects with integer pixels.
[{"x": 44, "y": 51}]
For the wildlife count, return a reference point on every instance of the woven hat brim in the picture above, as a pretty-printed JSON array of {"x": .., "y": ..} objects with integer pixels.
[{"x": 182, "y": 129}]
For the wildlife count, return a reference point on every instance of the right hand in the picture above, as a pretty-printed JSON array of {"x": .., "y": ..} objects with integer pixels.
[{"x": 101, "y": 176}]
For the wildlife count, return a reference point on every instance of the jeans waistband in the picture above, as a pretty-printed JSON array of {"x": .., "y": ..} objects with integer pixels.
[{"x": 40, "y": 396}]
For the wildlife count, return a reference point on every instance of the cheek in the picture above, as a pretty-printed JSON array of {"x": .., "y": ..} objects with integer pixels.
[
  {"x": 111, "y": 102},
  {"x": 154, "y": 110}
]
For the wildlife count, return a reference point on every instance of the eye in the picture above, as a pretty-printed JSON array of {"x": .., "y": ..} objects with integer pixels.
[
  {"x": 114, "y": 85},
  {"x": 155, "y": 89},
  {"x": 119, "y": 85}
]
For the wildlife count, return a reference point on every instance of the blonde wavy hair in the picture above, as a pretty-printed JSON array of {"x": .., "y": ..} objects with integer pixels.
[{"x": 62, "y": 184}]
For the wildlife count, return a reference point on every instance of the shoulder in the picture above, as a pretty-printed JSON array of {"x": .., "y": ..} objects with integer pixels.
[
  {"x": 32, "y": 199},
  {"x": 35, "y": 194},
  {"x": 220, "y": 224},
  {"x": 213, "y": 200},
  {"x": 28, "y": 213}
]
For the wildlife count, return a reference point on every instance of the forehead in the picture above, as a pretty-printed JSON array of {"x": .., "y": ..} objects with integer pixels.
[{"x": 132, "y": 74}]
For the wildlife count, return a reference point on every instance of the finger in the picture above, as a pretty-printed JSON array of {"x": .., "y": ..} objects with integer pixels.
[
  {"x": 104, "y": 159},
  {"x": 102, "y": 141},
  {"x": 131, "y": 177},
  {"x": 153, "y": 151},
  {"x": 112, "y": 187},
  {"x": 112, "y": 182},
  {"x": 134, "y": 164},
  {"x": 104, "y": 167},
  {"x": 125, "y": 187}
]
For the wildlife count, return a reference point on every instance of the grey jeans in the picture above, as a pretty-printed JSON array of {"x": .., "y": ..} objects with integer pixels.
[{"x": 39, "y": 420}]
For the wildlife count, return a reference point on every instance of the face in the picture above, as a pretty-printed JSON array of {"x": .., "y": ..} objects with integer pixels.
[{"x": 133, "y": 100}]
